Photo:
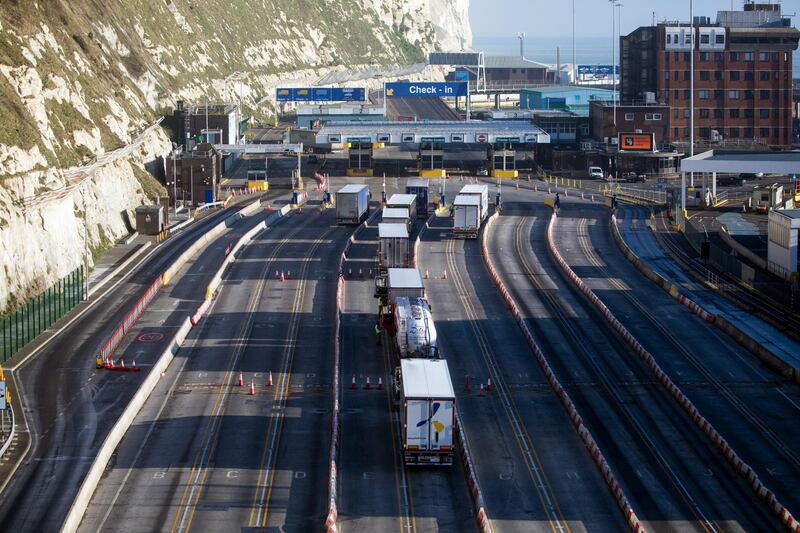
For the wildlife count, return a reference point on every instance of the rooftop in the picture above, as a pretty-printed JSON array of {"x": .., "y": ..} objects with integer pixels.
[
  {"x": 510, "y": 62},
  {"x": 569, "y": 89},
  {"x": 743, "y": 162}
]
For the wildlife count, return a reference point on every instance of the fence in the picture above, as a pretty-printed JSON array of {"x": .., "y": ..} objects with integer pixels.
[{"x": 21, "y": 326}]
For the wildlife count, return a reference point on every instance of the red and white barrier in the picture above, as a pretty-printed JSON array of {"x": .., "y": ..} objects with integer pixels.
[
  {"x": 744, "y": 470},
  {"x": 577, "y": 422}
]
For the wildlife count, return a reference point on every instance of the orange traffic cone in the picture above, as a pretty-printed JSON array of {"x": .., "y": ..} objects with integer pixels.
[
  {"x": 367, "y": 386},
  {"x": 380, "y": 383},
  {"x": 240, "y": 383},
  {"x": 252, "y": 388},
  {"x": 282, "y": 278},
  {"x": 133, "y": 364},
  {"x": 269, "y": 379},
  {"x": 353, "y": 385},
  {"x": 488, "y": 384},
  {"x": 444, "y": 274}
]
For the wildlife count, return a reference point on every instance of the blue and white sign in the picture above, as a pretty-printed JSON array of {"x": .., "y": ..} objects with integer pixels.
[
  {"x": 426, "y": 89},
  {"x": 596, "y": 71},
  {"x": 462, "y": 75},
  {"x": 321, "y": 94}
]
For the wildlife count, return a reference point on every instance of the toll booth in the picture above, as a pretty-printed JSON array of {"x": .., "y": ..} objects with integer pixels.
[
  {"x": 257, "y": 180},
  {"x": 360, "y": 158},
  {"x": 430, "y": 158},
  {"x": 502, "y": 160}
]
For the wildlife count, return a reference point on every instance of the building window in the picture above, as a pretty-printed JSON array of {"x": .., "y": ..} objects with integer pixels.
[
  {"x": 748, "y": 94},
  {"x": 704, "y": 94},
  {"x": 719, "y": 56},
  {"x": 733, "y": 113},
  {"x": 734, "y": 133},
  {"x": 763, "y": 113},
  {"x": 763, "y": 56},
  {"x": 764, "y": 132},
  {"x": 748, "y": 112},
  {"x": 734, "y": 56},
  {"x": 676, "y": 56},
  {"x": 733, "y": 95},
  {"x": 676, "y": 112},
  {"x": 584, "y": 129},
  {"x": 718, "y": 94},
  {"x": 720, "y": 38},
  {"x": 685, "y": 75},
  {"x": 748, "y": 56},
  {"x": 675, "y": 76},
  {"x": 705, "y": 38},
  {"x": 734, "y": 75},
  {"x": 703, "y": 56},
  {"x": 675, "y": 132},
  {"x": 676, "y": 94},
  {"x": 652, "y": 116},
  {"x": 763, "y": 95},
  {"x": 717, "y": 113},
  {"x": 704, "y": 113},
  {"x": 686, "y": 94},
  {"x": 687, "y": 39},
  {"x": 686, "y": 54},
  {"x": 705, "y": 132},
  {"x": 748, "y": 133},
  {"x": 748, "y": 75},
  {"x": 718, "y": 75},
  {"x": 666, "y": 75},
  {"x": 669, "y": 38},
  {"x": 763, "y": 75},
  {"x": 704, "y": 75},
  {"x": 628, "y": 116},
  {"x": 685, "y": 113}
]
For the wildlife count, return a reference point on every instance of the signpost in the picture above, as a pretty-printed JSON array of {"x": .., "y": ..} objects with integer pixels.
[
  {"x": 636, "y": 142},
  {"x": 321, "y": 94},
  {"x": 426, "y": 89},
  {"x": 597, "y": 72}
]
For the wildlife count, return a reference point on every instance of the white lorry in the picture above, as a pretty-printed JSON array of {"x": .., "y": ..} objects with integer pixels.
[
  {"x": 427, "y": 411},
  {"x": 466, "y": 216},
  {"x": 416, "y": 332}
]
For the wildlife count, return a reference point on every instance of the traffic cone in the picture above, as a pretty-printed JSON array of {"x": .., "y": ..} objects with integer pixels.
[
  {"x": 517, "y": 184},
  {"x": 488, "y": 384},
  {"x": 444, "y": 274},
  {"x": 426, "y": 274},
  {"x": 122, "y": 363},
  {"x": 349, "y": 272},
  {"x": 133, "y": 364},
  {"x": 367, "y": 386},
  {"x": 252, "y": 388},
  {"x": 353, "y": 385},
  {"x": 529, "y": 177},
  {"x": 269, "y": 379},
  {"x": 380, "y": 383},
  {"x": 282, "y": 278},
  {"x": 360, "y": 273},
  {"x": 370, "y": 272},
  {"x": 535, "y": 187},
  {"x": 288, "y": 274},
  {"x": 467, "y": 383},
  {"x": 240, "y": 383},
  {"x": 480, "y": 392}
]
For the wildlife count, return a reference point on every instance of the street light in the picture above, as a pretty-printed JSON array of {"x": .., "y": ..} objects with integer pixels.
[{"x": 614, "y": 4}]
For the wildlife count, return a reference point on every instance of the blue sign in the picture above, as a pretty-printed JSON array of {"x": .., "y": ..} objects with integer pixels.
[
  {"x": 426, "y": 89},
  {"x": 321, "y": 94},
  {"x": 462, "y": 75},
  {"x": 597, "y": 71}
]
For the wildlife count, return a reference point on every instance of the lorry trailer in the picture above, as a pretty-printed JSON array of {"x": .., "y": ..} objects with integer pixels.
[
  {"x": 419, "y": 188},
  {"x": 396, "y": 215},
  {"x": 427, "y": 411},
  {"x": 352, "y": 204},
  {"x": 466, "y": 216},
  {"x": 415, "y": 334},
  {"x": 404, "y": 201},
  {"x": 482, "y": 192},
  {"x": 393, "y": 247}
]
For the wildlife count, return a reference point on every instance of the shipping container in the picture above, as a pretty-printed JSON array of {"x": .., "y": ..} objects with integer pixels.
[
  {"x": 352, "y": 204},
  {"x": 404, "y": 201},
  {"x": 428, "y": 411},
  {"x": 482, "y": 192},
  {"x": 393, "y": 247},
  {"x": 396, "y": 215},
  {"x": 150, "y": 219},
  {"x": 466, "y": 216},
  {"x": 419, "y": 188}
]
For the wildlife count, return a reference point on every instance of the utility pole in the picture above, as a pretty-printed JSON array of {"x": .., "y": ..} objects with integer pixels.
[
  {"x": 691, "y": 90},
  {"x": 574, "y": 66}
]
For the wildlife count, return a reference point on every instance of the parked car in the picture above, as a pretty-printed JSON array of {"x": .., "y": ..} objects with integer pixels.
[
  {"x": 483, "y": 172},
  {"x": 634, "y": 177}
]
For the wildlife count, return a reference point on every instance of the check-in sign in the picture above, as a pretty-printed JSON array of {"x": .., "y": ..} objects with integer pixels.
[{"x": 425, "y": 89}]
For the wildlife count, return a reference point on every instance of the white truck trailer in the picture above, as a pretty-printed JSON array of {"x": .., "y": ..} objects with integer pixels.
[
  {"x": 427, "y": 411},
  {"x": 467, "y": 216},
  {"x": 482, "y": 192},
  {"x": 393, "y": 247},
  {"x": 396, "y": 215},
  {"x": 352, "y": 204},
  {"x": 416, "y": 332},
  {"x": 404, "y": 201}
]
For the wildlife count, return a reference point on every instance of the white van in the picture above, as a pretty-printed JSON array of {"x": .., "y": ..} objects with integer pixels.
[{"x": 596, "y": 172}]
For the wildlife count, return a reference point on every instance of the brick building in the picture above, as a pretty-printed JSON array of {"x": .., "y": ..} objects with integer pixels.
[{"x": 742, "y": 74}]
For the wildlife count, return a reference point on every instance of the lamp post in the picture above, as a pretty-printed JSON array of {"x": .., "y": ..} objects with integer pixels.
[
  {"x": 691, "y": 89},
  {"x": 614, "y": 4},
  {"x": 574, "y": 67}
]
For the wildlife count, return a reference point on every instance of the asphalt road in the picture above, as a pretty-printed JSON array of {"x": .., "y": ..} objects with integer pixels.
[
  {"x": 674, "y": 478},
  {"x": 727, "y": 384},
  {"x": 376, "y": 492},
  {"x": 534, "y": 471},
  {"x": 70, "y": 406},
  {"x": 204, "y": 454}
]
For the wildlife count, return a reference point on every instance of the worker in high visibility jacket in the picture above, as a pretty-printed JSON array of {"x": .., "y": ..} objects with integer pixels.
[
  {"x": 100, "y": 361},
  {"x": 377, "y": 333}
]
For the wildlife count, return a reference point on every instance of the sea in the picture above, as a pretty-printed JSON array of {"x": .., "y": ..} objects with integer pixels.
[{"x": 588, "y": 50}]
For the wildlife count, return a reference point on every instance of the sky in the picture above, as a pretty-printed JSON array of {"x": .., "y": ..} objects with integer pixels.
[{"x": 553, "y": 18}]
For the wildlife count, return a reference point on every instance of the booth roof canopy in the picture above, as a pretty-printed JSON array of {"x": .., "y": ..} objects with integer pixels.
[{"x": 743, "y": 162}]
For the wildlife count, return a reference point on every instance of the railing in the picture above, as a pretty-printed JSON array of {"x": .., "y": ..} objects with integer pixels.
[
  {"x": 654, "y": 196},
  {"x": 24, "y": 324}
]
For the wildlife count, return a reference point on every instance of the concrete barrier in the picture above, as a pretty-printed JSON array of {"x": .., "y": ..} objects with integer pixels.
[
  {"x": 577, "y": 421},
  {"x": 743, "y": 469},
  {"x": 114, "y": 436}
]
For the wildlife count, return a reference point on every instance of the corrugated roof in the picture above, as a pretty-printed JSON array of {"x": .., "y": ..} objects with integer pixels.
[
  {"x": 426, "y": 378},
  {"x": 510, "y": 62}
]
